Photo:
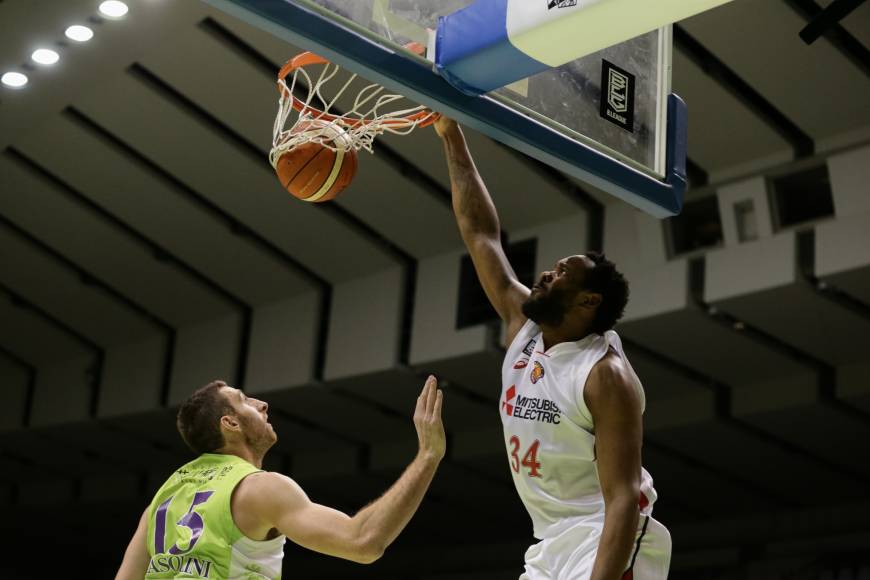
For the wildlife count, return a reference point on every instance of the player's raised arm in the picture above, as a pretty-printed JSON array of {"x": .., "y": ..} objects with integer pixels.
[
  {"x": 480, "y": 229},
  {"x": 280, "y": 503}
]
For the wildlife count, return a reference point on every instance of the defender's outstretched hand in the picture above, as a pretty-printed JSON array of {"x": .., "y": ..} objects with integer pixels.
[{"x": 427, "y": 420}]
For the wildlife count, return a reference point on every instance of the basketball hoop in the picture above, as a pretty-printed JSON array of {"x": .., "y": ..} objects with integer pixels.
[{"x": 372, "y": 112}]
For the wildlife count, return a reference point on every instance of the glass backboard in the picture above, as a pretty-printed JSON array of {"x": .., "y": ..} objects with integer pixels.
[{"x": 561, "y": 116}]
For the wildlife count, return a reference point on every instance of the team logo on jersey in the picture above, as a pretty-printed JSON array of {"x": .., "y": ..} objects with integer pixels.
[
  {"x": 537, "y": 372},
  {"x": 529, "y": 348},
  {"x": 521, "y": 364},
  {"x": 530, "y": 408},
  {"x": 508, "y": 397}
]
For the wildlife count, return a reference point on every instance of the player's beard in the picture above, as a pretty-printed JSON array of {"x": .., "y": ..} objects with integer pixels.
[
  {"x": 546, "y": 309},
  {"x": 258, "y": 435}
]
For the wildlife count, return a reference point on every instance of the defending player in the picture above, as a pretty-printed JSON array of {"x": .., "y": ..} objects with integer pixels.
[
  {"x": 571, "y": 403},
  {"x": 221, "y": 516}
]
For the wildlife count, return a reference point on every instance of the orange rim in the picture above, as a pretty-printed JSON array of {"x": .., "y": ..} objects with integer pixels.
[{"x": 310, "y": 59}]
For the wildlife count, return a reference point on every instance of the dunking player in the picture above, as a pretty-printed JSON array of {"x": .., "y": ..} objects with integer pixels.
[
  {"x": 571, "y": 403},
  {"x": 221, "y": 516}
]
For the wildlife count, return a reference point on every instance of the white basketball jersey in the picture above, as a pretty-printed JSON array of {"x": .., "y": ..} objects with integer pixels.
[{"x": 549, "y": 432}]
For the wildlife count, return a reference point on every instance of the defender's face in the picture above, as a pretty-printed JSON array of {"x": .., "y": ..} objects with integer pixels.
[{"x": 253, "y": 415}]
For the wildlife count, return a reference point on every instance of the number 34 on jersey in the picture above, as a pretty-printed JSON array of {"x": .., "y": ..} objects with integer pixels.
[{"x": 529, "y": 462}]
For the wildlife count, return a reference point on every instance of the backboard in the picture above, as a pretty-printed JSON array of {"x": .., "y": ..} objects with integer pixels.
[{"x": 607, "y": 118}]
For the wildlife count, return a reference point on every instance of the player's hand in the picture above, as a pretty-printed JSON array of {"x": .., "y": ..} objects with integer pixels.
[
  {"x": 445, "y": 125},
  {"x": 427, "y": 420}
]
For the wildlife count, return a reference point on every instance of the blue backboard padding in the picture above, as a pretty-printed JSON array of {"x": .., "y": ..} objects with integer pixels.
[
  {"x": 473, "y": 51},
  {"x": 308, "y": 29},
  {"x": 677, "y": 149}
]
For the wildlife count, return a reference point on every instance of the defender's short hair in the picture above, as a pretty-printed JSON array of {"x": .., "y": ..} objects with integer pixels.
[
  {"x": 606, "y": 280},
  {"x": 199, "y": 418}
]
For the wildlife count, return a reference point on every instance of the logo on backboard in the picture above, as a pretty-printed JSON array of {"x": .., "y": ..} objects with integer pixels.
[
  {"x": 560, "y": 4},
  {"x": 537, "y": 372},
  {"x": 617, "y": 95}
]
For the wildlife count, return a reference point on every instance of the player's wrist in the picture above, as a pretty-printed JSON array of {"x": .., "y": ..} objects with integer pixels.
[
  {"x": 450, "y": 132},
  {"x": 429, "y": 457}
]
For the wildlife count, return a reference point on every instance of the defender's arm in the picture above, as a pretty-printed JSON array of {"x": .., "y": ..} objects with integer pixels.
[
  {"x": 280, "y": 503},
  {"x": 135, "y": 561},
  {"x": 480, "y": 229},
  {"x": 616, "y": 412}
]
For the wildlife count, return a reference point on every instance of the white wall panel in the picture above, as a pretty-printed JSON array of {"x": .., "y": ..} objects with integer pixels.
[
  {"x": 751, "y": 267},
  {"x": 133, "y": 377},
  {"x": 657, "y": 289},
  {"x": 434, "y": 335},
  {"x": 850, "y": 181},
  {"x": 364, "y": 325},
  {"x": 635, "y": 243},
  {"x": 754, "y": 190},
  {"x": 283, "y": 344},
  {"x": 556, "y": 239},
  {"x": 843, "y": 244},
  {"x": 632, "y": 238},
  {"x": 652, "y": 249},
  {"x": 205, "y": 352}
]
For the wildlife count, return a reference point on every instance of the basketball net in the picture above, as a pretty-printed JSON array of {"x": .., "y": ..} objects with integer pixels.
[{"x": 372, "y": 112}]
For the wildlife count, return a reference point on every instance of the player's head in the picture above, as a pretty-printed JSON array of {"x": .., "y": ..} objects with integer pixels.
[
  {"x": 585, "y": 288},
  {"x": 217, "y": 416}
]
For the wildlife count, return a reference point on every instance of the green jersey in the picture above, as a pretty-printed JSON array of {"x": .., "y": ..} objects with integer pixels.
[{"x": 191, "y": 532}]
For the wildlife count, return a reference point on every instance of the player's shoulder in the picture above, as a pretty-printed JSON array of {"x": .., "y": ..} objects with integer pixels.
[
  {"x": 611, "y": 377},
  {"x": 266, "y": 480},
  {"x": 610, "y": 364},
  {"x": 266, "y": 487}
]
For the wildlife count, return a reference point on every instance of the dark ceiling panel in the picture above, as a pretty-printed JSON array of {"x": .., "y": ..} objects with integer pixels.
[
  {"x": 814, "y": 86},
  {"x": 61, "y": 292},
  {"x": 236, "y": 180},
  {"x": 50, "y": 211},
  {"x": 133, "y": 193}
]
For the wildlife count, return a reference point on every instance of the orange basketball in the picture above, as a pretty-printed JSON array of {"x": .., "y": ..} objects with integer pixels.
[{"x": 313, "y": 172}]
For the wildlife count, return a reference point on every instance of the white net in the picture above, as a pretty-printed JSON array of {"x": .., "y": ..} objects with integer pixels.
[{"x": 315, "y": 119}]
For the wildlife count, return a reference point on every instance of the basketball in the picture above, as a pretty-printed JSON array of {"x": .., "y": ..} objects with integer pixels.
[{"x": 312, "y": 171}]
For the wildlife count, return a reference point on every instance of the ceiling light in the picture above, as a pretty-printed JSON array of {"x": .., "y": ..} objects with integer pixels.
[
  {"x": 45, "y": 56},
  {"x": 14, "y": 79},
  {"x": 113, "y": 9},
  {"x": 79, "y": 33}
]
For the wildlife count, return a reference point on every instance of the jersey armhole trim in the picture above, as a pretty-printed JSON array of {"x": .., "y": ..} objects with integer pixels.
[{"x": 583, "y": 407}]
